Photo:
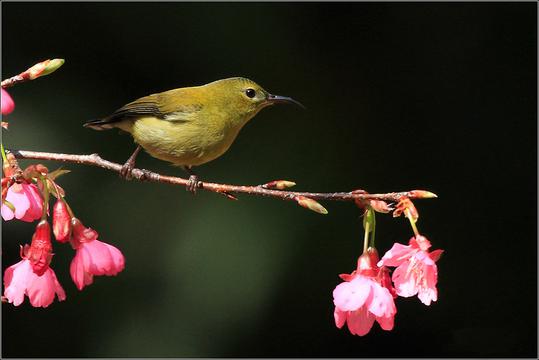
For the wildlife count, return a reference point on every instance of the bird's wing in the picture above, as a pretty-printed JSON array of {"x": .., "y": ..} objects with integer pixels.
[{"x": 183, "y": 108}]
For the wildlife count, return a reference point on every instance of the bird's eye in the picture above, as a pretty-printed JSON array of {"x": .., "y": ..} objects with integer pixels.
[{"x": 250, "y": 93}]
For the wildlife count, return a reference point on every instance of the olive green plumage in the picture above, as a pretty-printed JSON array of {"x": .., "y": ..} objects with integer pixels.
[{"x": 191, "y": 126}]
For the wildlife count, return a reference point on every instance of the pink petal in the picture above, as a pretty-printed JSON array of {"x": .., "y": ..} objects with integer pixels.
[
  {"x": 99, "y": 257},
  {"x": 386, "y": 323},
  {"x": 428, "y": 292},
  {"x": 382, "y": 303},
  {"x": 349, "y": 296},
  {"x": 348, "y": 277},
  {"x": 117, "y": 258},
  {"x": 435, "y": 255},
  {"x": 427, "y": 295},
  {"x": 58, "y": 288},
  {"x": 7, "y": 214},
  {"x": 423, "y": 257},
  {"x": 360, "y": 321},
  {"x": 16, "y": 279},
  {"x": 41, "y": 289},
  {"x": 35, "y": 209},
  {"x": 105, "y": 259},
  {"x": 79, "y": 275},
  {"x": 404, "y": 281},
  {"x": 17, "y": 196},
  {"x": 420, "y": 242},
  {"x": 340, "y": 317},
  {"x": 396, "y": 255},
  {"x": 7, "y": 103}
]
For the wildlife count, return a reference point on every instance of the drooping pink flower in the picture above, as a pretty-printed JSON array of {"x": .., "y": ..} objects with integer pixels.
[
  {"x": 32, "y": 276},
  {"x": 416, "y": 271},
  {"x": 362, "y": 299},
  {"x": 20, "y": 280},
  {"x": 93, "y": 257},
  {"x": 26, "y": 200},
  {"x": 61, "y": 222},
  {"x": 7, "y": 103}
]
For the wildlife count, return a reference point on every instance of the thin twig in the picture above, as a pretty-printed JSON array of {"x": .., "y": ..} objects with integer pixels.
[
  {"x": 145, "y": 175},
  {"x": 13, "y": 81}
]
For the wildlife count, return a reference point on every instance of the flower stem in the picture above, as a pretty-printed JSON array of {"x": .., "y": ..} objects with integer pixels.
[
  {"x": 4, "y": 157},
  {"x": 62, "y": 199},
  {"x": 45, "y": 198},
  {"x": 366, "y": 237},
  {"x": 373, "y": 214},
  {"x": 412, "y": 222}
]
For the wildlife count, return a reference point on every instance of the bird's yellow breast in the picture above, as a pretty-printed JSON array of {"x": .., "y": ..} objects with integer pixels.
[{"x": 181, "y": 142}]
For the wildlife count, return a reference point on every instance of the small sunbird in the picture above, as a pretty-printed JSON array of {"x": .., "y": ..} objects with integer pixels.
[{"x": 190, "y": 126}]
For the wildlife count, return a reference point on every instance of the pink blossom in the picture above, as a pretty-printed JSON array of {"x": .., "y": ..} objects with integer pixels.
[
  {"x": 416, "y": 271},
  {"x": 362, "y": 299},
  {"x": 32, "y": 276},
  {"x": 93, "y": 257},
  {"x": 26, "y": 200},
  {"x": 20, "y": 280},
  {"x": 7, "y": 103}
]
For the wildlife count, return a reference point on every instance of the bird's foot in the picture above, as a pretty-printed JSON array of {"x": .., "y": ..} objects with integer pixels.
[
  {"x": 127, "y": 169},
  {"x": 193, "y": 184}
]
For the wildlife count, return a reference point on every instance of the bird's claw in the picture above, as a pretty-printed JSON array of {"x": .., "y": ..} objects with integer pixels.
[
  {"x": 193, "y": 184},
  {"x": 127, "y": 168},
  {"x": 126, "y": 171}
]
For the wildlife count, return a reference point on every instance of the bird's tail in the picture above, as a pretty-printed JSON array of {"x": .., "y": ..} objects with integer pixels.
[{"x": 99, "y": 124}]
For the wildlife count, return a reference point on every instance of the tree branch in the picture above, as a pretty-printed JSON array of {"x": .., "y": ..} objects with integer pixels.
[
  {"x": 225, "y": 189},
  {"x": 14, "y": 80}
]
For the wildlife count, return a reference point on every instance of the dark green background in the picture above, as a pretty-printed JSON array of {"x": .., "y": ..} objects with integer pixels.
[{"x": 399, "y": 96}]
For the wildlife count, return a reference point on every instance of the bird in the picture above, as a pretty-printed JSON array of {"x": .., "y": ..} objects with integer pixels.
[{"x": 189, "y": 126}]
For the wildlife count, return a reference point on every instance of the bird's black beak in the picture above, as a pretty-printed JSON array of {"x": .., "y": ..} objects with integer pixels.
[{"x": 276, "y": 99}]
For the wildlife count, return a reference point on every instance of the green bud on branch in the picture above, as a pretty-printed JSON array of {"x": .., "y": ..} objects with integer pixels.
[{"x": 311, "y": 204}]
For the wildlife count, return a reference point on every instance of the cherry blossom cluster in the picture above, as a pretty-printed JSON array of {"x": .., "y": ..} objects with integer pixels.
[
  {"x": 369, "y": 292},
  {"x": 26, "y": 197}
]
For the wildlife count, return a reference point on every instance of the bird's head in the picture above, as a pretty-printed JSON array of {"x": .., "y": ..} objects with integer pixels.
[{"x": 247, "y": 97}]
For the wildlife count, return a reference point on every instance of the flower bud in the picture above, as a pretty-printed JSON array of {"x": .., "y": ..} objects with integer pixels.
[
  {"x": 52, "y": 66},
  {"x": 279, "y": 184},
  {"x": 61, "y": 222},
  {"x": 422, "y": 194},
  {"x": 44, "y": 68},
  {"x": 311, "y": 204}
]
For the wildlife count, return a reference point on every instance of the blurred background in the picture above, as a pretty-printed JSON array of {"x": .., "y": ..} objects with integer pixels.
[{"x": 438, "y": 96}]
